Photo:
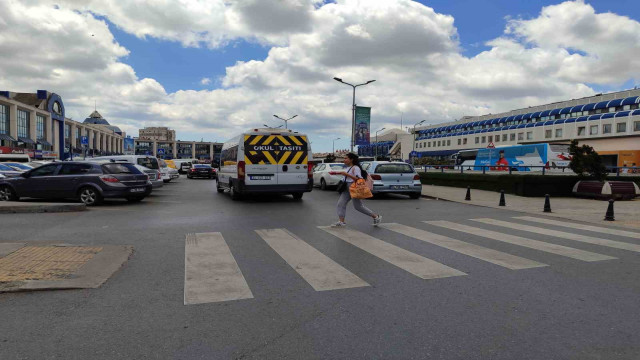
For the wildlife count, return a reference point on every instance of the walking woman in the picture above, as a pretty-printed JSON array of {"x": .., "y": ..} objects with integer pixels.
[{"x": 353, "y": 173}]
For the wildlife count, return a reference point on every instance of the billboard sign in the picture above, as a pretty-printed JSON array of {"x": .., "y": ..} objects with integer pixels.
[
  {"x": 363, "y": 125},
  {"x": 129, "y": 148}
]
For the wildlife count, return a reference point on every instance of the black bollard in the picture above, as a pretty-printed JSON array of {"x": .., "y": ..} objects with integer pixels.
[
  {"x": 547, "y": 203},
  {"x": 468, "y": 197},
  {"x": 609, "y": 215},
  {"x": 502, "y": 202}
]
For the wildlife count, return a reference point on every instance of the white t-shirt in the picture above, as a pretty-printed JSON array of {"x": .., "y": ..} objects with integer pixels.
[{"x": 355, "y": 171}]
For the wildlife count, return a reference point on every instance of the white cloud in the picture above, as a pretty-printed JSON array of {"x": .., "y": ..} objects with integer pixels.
[{"x": 410, "y": 49}]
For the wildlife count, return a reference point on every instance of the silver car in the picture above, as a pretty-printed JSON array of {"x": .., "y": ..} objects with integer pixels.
[
  {"x": 323, "y": 179},
  {"x": 394, "y": 178}
]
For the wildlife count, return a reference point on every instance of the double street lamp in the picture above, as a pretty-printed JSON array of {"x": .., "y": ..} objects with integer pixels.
[
  {"x": 285, "y": 120},
  {"x": 272, "y": 127},
  {"x": 377, "y": 142},
  {"x": 353, "y": 109},
  {"x": 414, "y": 139}
]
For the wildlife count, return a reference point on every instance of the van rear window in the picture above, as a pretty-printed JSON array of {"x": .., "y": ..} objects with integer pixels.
[
  {"x": 151, "y": 163},
  {"x": 394, "y": 169}
]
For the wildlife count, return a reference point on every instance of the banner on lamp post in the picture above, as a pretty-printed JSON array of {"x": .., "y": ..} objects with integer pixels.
[{"x": 363, "y": 125}]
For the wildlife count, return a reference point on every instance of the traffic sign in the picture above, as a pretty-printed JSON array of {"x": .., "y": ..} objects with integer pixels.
[
  {"x": 160, "y": 151},
  {"x": 491, "y": 146},
  {"x": 84, "y": 140}
]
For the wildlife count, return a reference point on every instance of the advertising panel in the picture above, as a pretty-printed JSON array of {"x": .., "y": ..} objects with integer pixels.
[
  {"x": 129, "y": 148},
  {"x": 363, "y": 125}
]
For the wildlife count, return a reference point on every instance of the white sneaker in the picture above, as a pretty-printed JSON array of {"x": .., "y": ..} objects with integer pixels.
[
  {"x": 376, "y": 221},
  {"x": 339, "y": 224}
]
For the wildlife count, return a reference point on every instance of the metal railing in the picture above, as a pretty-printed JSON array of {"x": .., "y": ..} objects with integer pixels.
[{"x": 534, "y": 170}]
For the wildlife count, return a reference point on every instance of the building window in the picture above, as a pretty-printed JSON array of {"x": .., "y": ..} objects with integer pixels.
[
  {"x": 593, "y": 130},
  {"x": 547, "y": 134},
  {"x": 477, "y": 140},
  {"x": 448, "y": 142},
  {"x": 497, "y": 138},
  {"x": 484, "y": 139},
  {"x": 530, "y": 135},
  {"x": 512, "y": 137},
  {"x": 429, "y": 144},
  {"x": 459, "y": 141},
  {"x": 520, "y": 136},
  {"x": 621, "y": 127},
  {"x": 490, "y": 138},
  {"x": 504, "y": 137},
  {"x": 581, "y": 131},
  {"x": 636, "y": 126},
  {"x": 40, "y": 129},
  {"x": 558, "y": 133},
  {"x": 438, "y": 142},
  {"x": 464, "y": 141},
  {"x": 23, "y": 124},
  {"x": 4, "y": 119},
  {"x": 606, "y": 128}
]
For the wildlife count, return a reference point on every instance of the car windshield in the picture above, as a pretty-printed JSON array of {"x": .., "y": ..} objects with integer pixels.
[
  {"x": 20, "y": 166},
  {"x": 394, "y": 169},
  {"x": 151, "y": 163},
  {"x": 337, "y": 166},
  {"x": 201, "y": 166},
  {"x": 120, "y": 169}
]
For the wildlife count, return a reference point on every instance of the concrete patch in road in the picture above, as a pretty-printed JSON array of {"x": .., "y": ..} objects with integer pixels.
[
  {"x": 17, "y": 207},
  {"x": 91, "y": 274}
]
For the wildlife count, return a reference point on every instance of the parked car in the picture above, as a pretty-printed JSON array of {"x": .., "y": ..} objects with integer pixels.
[
  {"x": 165, "y": 171},
  {"x": 149, "y": 162},
  {"x": 394, "y": 177},
  {"x": 89, "y": 182},
  {"x": 9, "y": 171},
  {"x": 201, "y": 170},
  {"x": 323, "y": 179},
  {"x": 22, "y": 167}
]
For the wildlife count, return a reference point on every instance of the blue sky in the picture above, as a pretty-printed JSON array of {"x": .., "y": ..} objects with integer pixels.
[{"x": 477, "y": 22}]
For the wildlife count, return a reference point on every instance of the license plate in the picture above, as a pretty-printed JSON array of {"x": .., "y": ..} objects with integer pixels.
[
  {"x": 260, "y": 177},
  {"x": 399, "y": 187},
  {"x": 137, "y": 190}
]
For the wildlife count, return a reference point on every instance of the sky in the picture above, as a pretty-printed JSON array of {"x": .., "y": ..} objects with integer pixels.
[{"x": 213, "y": 68}]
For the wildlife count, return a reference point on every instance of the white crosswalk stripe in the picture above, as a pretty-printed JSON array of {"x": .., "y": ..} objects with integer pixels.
[
  {"x": 318, "y": 270},
  {"x": 598, "y": 229},
  {"x": 415, "y": 264},
  {"x": 493, "y": 256},
  {"x": 211, "y": 273},
  {"x": 525, "y": 242},
  {"x": 562, "y": 234}
]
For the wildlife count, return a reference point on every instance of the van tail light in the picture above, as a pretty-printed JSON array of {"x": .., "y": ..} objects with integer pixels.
[
  {"x": 109, "y": 179},
  {"x": 416, "y": 177},
  {"x": 376, "y": 177},
  {"x": 309, "y": 171},
  {"x": 159, "y": 176},
  {"x": 241, "y": 171}
]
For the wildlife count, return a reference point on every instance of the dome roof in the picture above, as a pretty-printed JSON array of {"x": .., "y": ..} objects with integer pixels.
[
  {"x": 115, "y": 129},
  {"x": 96, "y": 118}
]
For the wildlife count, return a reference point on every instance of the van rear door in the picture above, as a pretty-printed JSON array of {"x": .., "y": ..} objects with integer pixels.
[
  {"x": 293, "y": 159},
  {"x": 276, "y": 159}
]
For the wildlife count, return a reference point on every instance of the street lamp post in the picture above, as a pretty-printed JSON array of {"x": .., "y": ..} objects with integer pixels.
[
  {"x": 414, "y": 139},
  {"x": 333, "y": 148},
  {"x": 353, "y": 108},
  {"x": 377, "y": 142},
  {"x": 285, "y": 120}
]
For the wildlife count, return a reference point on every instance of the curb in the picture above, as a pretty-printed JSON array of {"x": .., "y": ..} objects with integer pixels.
[{"x": 26, "y": 208}]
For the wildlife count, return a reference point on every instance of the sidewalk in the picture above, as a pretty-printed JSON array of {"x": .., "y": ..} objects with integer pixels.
[
  {"x": 587, "y": 210},
  {"x": 20, "y": 207}
]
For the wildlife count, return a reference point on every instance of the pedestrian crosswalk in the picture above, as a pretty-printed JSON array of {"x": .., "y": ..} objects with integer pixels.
[{"x": 213, "y": 275}]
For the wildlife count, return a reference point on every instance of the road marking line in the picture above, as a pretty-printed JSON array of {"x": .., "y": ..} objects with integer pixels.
[
  {"x": 211, "y": 273},
  {"x": 493, "y": 256},
  {"x": 562, "y": 234},
  {"x": 525, "y": 242},
  {"x": 599, "y": 229},
  {"x": 415, "y": 264},
  {"x": 317, "y": 269}
]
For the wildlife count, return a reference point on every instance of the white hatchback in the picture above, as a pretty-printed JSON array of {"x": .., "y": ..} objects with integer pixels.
[{"x": 323, "y": 179}]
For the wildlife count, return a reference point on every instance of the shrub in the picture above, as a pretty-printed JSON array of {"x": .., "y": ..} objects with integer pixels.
[{"x": 586, "y": 162}]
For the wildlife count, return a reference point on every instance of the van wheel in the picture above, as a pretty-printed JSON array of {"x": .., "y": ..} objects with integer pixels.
[
  {"x": 89, "y": 196},
  {"x": 218, "y": 187},
  {"x": 7, "y": 194},
  {"x": 232, "y": 191},
  {"x": 297, "y": 196},
  {"x": 323, "y": 184}
]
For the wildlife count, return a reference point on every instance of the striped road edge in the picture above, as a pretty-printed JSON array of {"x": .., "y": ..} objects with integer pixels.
[
  {"x": 415, "y": 264},
  {"x": 317, "y": 269},
  {"x": 479, "y": 252},
  {"x": 211, "y": 273}
]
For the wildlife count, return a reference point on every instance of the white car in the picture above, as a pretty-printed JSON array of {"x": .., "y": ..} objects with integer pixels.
[
  {"x": 165, "y": 171},
  {"x": 323, "y": 179}
]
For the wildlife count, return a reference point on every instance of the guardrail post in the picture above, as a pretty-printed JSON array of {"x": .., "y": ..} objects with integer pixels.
[
  {"x": 510, "y": 169},
  {"x": 484, "y": 169},
  {"x": 547, "y": 204},
  {"x": 442, "y": 169},
  {"x": 461, "y": 169},
  {"x": 543, "y": 168},
  {"x": 502, "y": 202},
  {"x": 468, "y": 196},
  {"x": 609, "y": 215},
  {"x": 617, "y": 171}
]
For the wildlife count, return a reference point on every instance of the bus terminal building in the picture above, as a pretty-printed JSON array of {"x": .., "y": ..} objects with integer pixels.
[{"x": 610, "y": 123}]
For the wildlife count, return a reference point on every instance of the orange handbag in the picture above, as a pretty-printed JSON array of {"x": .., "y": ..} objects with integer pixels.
[{"x": 360, "y": 190}]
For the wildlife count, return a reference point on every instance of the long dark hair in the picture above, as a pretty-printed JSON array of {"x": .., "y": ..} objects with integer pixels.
[{"x": 355, "y": 160}]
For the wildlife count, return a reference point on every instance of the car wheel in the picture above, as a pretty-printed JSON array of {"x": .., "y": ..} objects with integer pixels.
[
  {"x": 7, "y": 194},
  {"x": 232, "y": 191},
  {"x": 415, "y": 195},
  {"x": 297, "y": 196},
  {"x": 89, "y": 196},
  {"x": 189, "y": 177},
  {"x": 135, "y": 199},
  {"x": 323, "y": 184},
  {"x": 218, "y": 187},
  {"x": 166, "y": 181}
]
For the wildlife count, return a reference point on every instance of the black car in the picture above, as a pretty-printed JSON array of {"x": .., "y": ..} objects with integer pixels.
[
  {"x": 201, "y": 170},
  {"x": 85, "y": 181}
]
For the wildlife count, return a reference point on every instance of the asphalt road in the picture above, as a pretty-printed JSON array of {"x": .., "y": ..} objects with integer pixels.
[{"x": 506, "y": 308}]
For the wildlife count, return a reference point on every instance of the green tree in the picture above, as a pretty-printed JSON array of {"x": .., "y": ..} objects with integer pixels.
[
  {"x": 330, "y": 158},
  {"x": 586, "y": 162}
]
